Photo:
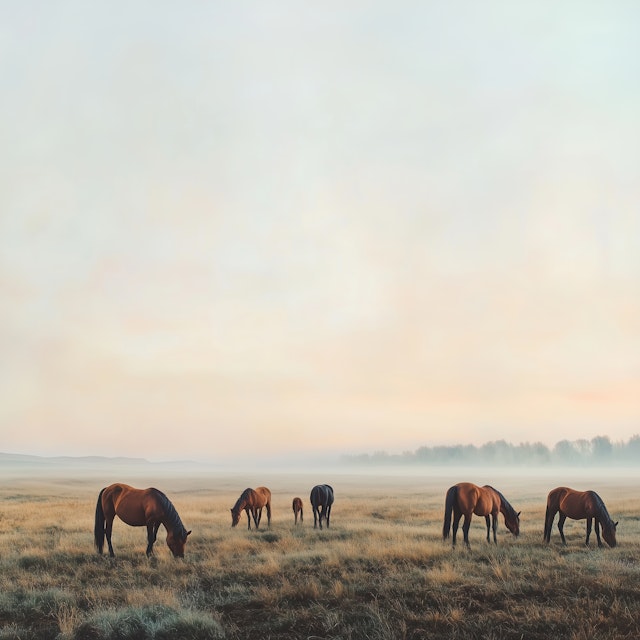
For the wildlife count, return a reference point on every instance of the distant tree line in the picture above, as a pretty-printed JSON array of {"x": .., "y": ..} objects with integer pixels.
[{"x": 597, "y": 451}]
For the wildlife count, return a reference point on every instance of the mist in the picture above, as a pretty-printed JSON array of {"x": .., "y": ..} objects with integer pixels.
[
  {"x": 582, "y": 453},
  {"x": 493, "y": 458}
]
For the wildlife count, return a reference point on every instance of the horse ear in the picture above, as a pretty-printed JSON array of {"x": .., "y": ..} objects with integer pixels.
[
  {"x": 187, "y": 534},
  {"x": 518, "y": 514},
  {"x": 615, "y": 525}
]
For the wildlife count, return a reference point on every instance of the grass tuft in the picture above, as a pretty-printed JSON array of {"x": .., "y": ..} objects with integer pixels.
[{"x": 149, "y": 623}]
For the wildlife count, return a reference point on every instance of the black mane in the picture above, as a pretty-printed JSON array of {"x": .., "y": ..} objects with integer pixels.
[
  {"x": 603, "y": 514},
  {"x": 507, "y": 505},
  {"x": 171, "y": 518}
]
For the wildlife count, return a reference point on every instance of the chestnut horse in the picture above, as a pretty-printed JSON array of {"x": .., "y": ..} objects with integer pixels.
[
  {"x": 465, "y": 499},
  {"x": 252, "y": 501},
  {"x": 139, "y": 508},
  {"x": 296, "y": 505},
  {"x": 321, "y": 500},
  {"x": 578, "y": 505}
]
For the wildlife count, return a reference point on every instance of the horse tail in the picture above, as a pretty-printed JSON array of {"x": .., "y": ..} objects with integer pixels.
[
  {"x": 553, "y": 505},
  {"x": 313, "y": 498},
  {"x": 98, "y": 529},
  {"x": 452, "y": 495},
  {"x": 546, "y": 525},
  {"x": 549, "y": 515}
]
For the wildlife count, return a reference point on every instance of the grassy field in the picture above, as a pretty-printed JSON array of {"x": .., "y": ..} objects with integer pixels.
[{"x": 381, "y": 571}]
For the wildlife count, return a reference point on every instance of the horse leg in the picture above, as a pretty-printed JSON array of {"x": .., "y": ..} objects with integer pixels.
[
  {"x": 320, "y": 515},
  {"x": 586, "y": 542},
  {"x": 248, "y": 517},
  {"x": 495, "y": 526},
  {"x": 328, "y": 515},
  {"x": 465, "y": 529},
  {"x": 597, "y": 528},
  {"x": 268, "y": 505},
  {"x": 151, "y": 538},
  {"x": 258, "y": 515},
  {"x": 561, "y": 520},
  {"x": 487, "y": 519},
  {"x": 315, "y": 517}
]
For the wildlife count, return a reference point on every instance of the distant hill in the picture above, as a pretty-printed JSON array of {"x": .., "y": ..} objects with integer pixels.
[{"x": 19, "y": 460}]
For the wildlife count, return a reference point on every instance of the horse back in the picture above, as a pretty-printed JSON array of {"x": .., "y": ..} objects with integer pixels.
[
  {"x": 572, "y": 503},
  {"x": 321, "y": 494},
  {"x": 580, "y": 504},
  {"x": 490, "y": 500},
  {"x": 262, "y": 496},
  {"x": 133, "y": 506}
]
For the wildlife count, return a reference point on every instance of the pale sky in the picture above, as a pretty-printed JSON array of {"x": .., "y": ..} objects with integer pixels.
[{"x": 281, "y": 227}]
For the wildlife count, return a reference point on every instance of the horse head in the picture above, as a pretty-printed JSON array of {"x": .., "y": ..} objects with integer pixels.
[
  {"x": 609, "y": 532},
  {"x": 235, "y": 516},
  {"x": 512, "y": 522},
  {"x": 177, "y": 542}
]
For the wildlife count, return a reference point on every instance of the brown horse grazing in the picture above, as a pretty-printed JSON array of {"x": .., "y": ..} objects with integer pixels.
[
  {"x": 321, "y": 500},
  {"x": 578, "y": 505},
  {"x": 252, "y": 501},
  {"x": 465, "y": 499},
  {"x": 296, "y": 505},
  {"x": 139, "y": 508}
]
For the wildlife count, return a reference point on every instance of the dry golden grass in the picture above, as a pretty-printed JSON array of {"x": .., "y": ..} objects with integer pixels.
[{"x": 380, "y": 571}]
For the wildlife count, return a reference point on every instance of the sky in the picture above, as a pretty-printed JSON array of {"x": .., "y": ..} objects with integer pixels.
[{"x": 259, "y": 229}]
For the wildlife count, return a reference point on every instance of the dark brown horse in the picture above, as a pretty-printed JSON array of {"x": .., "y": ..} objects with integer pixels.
[
  {"x": 296, "y": 505},
  {"x": 321, "y": 500},
  {"x": 578, "y": 505},
  {"x": 465, "y": 499},
  {"x": 139, "y": 508},
  {"x": 252, "y": 501}
]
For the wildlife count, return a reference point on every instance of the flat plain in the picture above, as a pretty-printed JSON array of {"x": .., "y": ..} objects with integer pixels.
[{"x": 380, "y": 571}]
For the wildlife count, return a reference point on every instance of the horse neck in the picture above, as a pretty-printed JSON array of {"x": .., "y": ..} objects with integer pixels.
[
  {"x": 505, "y": 506},
  {"x": 603, "y": 514},
  {"x": 241, "y": 503},
  {"x": 171, "y": 520}
]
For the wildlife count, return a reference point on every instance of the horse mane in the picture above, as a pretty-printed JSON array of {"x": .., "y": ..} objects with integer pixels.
[
  {"x": 171, "y": 516},
  {"x": 244, "y": 496},
  {"x": 507, "y": 505},
  {"x": 604, "y": 514}
]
